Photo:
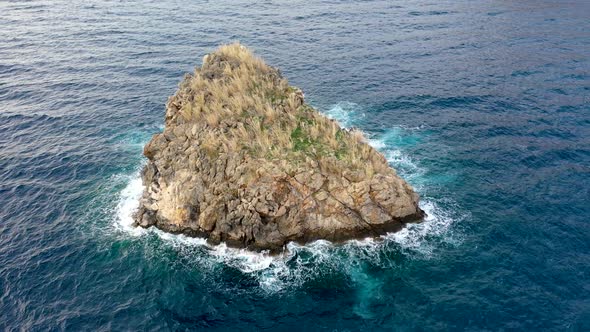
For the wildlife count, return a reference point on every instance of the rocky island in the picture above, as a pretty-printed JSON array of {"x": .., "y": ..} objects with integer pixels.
[{"x": 244, "y": 160}]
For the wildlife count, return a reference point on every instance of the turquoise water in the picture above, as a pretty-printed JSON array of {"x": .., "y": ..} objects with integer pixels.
[{"x": 483, "y": 106}]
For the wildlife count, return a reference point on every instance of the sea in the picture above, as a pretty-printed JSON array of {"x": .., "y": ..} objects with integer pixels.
[{"x": 483, "y": 106}]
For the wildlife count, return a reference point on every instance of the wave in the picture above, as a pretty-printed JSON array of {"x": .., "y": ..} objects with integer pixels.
[
  {"x": 301, "y": 263},
  {"x": 346, "y": 113},
  {"x": 128, "y": 203}
]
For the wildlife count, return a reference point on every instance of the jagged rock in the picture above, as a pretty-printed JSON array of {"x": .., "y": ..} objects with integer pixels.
[{"x": 244, "y": 160}]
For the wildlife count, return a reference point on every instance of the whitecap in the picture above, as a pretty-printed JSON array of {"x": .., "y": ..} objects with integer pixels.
[
  {"x": 128, "y": 204},
  {"x": 377, "y": 143},
  {"x": 424, "y": 237},
  {"x": 346, "y": 113}
]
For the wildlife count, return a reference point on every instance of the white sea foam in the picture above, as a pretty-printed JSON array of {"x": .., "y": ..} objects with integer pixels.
[
  {"x": 128, "y": 203},
  {"x": 377, "y": 143},
  {"x": 423, "y": 238},
  {"x": 300, "y": 263},
  {"x": 346, "y": 113}
]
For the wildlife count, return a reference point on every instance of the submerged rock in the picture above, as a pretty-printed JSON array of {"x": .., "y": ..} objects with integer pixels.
[{"x": 244, "y": 160}]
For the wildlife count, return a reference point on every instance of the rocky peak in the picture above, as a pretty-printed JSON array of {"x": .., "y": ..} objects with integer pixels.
[{"x": 244, "y": 160}]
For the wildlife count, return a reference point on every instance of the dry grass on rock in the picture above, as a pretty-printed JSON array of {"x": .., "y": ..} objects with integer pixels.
[{"x": 252, "y": 109}]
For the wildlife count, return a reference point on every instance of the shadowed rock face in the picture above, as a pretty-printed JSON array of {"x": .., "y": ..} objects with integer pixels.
[{"x": 244, "y": 160}]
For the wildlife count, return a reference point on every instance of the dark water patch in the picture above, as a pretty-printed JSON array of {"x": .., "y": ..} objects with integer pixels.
[
  {"x": 524, "y": 73},
  {"x": 429, "y": 13}
]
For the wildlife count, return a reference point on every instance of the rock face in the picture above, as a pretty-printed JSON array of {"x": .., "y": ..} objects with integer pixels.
[{"x": 244, "y": 160}]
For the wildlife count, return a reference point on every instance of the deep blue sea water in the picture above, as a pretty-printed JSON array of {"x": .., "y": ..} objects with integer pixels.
[{"x": 483, "y": 106}]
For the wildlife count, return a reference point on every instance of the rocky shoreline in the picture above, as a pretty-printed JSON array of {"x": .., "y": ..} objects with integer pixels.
[{"x": 244, "y": 160}]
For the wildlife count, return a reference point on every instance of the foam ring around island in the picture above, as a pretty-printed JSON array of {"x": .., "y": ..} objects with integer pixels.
[{"x": 301, "y": 263}]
